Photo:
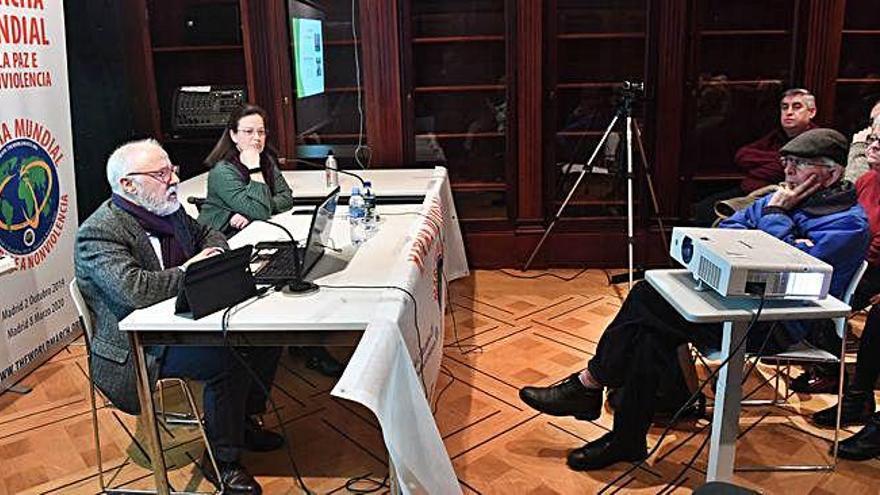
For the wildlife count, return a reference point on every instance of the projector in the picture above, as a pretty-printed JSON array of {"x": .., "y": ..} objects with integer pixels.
[{"x": 749, "y": 263}]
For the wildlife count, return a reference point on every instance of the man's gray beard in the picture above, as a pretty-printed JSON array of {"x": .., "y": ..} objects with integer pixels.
[{"x": 157, "y": 206}]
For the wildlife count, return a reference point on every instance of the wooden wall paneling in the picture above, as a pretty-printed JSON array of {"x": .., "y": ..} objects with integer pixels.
[
  {"x": 380, "y": 57},
  {"x": 139, "y": 63},
  {"x": 267, "y": 57},
  {"x": 823, "y": 35},
  {"x": 670, "y": 89},
  {"x": 529, "y": 70}
]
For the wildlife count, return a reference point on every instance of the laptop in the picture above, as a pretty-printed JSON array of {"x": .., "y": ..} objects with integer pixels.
[{"x": 288, "y": 262}]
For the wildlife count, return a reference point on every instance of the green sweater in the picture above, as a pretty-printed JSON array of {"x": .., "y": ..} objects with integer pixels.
[{"x": 228, "y": 192}]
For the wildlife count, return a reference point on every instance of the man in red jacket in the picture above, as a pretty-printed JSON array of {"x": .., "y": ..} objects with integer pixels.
[{"x": 759, "y": 160}]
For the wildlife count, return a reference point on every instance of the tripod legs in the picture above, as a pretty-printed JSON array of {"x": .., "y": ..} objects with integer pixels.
[
  {"x": 577, "y": 183},
  {"x": 632, "y": 127}
]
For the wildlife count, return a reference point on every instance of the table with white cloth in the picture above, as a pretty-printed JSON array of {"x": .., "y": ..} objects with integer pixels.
[
  {"x": 707, "y": 306},
  {"x": 395, "y": 318}
]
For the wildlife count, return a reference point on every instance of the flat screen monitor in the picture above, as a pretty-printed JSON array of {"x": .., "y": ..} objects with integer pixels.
[{"x": 306, "y": 24}]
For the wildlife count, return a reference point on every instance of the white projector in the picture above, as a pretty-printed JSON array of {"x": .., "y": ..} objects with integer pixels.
[{"x": 749, "y": 263}]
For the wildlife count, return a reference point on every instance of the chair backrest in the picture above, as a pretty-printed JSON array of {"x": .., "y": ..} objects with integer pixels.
[
  {"x": 840, "y": 324},
  {"x": 85, "y": 315}
]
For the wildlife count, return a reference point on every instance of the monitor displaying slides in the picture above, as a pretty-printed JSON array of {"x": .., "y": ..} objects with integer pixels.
[{"x": 308, "y": 53}]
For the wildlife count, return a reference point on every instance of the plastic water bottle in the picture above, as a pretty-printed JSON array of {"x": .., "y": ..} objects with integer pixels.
[
  {"x": 331, "y": 176},
  {"x": 371, "y": 220},
  {"x": 356, "y": 213}
]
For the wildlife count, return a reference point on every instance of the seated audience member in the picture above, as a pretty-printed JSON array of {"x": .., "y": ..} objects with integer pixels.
[
  {"x": 858, "y": 163},
  {"x": 759, "y": 160},
  {"x": 815, "y": 211},
  {"x": 131, "y": 253},
  {"x": 235, "y": 197},
  {"x": 858, "y": 400},
  {"x": 823, "y": 378}
]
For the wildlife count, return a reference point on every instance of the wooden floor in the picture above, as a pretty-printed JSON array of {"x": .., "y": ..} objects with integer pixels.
[{"x": 504, "y": 333}]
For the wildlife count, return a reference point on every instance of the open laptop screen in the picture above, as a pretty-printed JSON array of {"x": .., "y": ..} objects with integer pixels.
[{"x": 319, "y": 234}]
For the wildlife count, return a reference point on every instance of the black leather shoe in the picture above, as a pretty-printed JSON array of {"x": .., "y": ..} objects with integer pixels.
[
  {"x": 318, "y": 359},
  {"x": 865, "y": 444},
  {"x": 815, "y": 381},
  {"x": 236, "y": 480},
  {"x": 604, "y": 452},
  {"x": 568, "y": 398},
  {"x": 259, "y": 439},
  {"x": 858, "y": 406}
]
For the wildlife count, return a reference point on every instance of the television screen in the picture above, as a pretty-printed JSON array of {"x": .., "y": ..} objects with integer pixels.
[
  {"x": 308, "y": 56},
  {"x": 306, "y": 24}
]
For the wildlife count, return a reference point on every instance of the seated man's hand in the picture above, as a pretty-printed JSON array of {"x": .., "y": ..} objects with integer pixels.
[
  {"x": 875, "y": 299},
  {"x": 203, "y": 255},
  {"x": 239, "y": 221},
  {"x": 787, "y": 197}
]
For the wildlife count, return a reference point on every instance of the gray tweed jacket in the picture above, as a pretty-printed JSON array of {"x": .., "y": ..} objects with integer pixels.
[{"x": 118, "y": 271}]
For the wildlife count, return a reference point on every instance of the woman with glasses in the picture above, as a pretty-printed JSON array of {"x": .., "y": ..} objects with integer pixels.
[{"x": 235, "y": 196}]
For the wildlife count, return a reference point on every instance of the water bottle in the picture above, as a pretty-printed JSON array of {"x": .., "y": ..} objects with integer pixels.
[
  {"x": 331, "y": 176},
  {"x": 371, "y": 219},
  {"x": 356, "y": 213}
]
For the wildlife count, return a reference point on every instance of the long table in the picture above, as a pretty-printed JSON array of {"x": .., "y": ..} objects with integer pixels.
[{"x": 417, "y": 249}]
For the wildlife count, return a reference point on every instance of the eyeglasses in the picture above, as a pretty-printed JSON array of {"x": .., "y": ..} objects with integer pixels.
[
  {"x": 800, "y": 163},
  {"x": 871, "y": 139},
  {"x": 251, "y": 132},
  {"x": 163, "y": 175}
]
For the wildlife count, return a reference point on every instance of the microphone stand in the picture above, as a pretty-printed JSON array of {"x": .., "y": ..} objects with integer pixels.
[{"x": 324, "y": 167}]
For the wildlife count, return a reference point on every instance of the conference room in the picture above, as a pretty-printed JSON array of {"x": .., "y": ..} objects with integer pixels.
[{"x": 439, "y": 246}]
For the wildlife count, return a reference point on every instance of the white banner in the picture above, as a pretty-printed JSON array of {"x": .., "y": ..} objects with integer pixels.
[
  {"x": 395, "y": 366},
  {"x": 38, "y": 218}
]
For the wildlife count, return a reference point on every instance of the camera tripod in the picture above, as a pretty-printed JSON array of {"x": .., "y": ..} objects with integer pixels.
[{"x": 628, "y": 93}]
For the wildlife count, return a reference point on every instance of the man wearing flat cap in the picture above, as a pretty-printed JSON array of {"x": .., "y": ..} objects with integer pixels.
[{"x": 814, "y": 210}]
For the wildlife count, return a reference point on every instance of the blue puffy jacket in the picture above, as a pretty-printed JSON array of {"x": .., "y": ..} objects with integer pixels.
[{"x": 837, "y": 231}]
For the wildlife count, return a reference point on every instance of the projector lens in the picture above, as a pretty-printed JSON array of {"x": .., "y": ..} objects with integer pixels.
[{"x": 687, "y": 249}]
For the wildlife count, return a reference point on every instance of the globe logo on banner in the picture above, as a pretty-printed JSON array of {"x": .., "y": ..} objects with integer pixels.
[{"x": 28, "y": 196}]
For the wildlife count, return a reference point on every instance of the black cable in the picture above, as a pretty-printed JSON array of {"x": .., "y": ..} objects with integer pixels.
[
  {"x": 677, "y": 416},
  {"x": 378, "y": 484},
  {"x": 420, "y": 369},
  {"x": 545, "y": 274},
  {"x": 224, "y": 325},
  {"x": 705, "y": 441},
  {"x": 324, "y": 167}
]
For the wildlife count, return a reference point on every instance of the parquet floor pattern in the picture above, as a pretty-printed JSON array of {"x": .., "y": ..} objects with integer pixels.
[{"x": 503, "y": 333}]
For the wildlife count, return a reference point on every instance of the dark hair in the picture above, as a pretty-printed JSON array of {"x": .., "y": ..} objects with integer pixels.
[{"x": 225, "y": 148}]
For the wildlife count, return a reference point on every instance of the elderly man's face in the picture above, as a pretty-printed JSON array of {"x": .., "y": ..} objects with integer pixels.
[
  {"x": 794, "y": 116},
  {"x": 872, "y": 151},
  {"x": 798, "y": 170},
  {"x": 152, "y": 181}
]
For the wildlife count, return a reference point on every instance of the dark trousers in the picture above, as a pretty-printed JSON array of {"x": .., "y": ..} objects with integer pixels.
[
  {"x": 638, "y": 349},
  {"x": 230, "y": 393},
  {"x": 868, "y": 359}
]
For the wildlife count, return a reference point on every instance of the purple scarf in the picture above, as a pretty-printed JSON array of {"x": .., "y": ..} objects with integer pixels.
[{"x": 175, "y": 240}]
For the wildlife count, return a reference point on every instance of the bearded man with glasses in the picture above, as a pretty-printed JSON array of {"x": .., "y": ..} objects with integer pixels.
[{"x": 131, "y": 253}]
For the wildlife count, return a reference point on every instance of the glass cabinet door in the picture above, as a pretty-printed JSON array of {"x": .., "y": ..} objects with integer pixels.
[
  {"x": 858, "y": 81},
  {"x": 331, "y": 116},
  {"x": 594, "y": 47},
  {"x": 458, "y": 80},
  {"x": 741, "y": 62}
]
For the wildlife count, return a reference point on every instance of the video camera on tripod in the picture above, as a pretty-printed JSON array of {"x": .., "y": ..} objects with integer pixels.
[{"x": 627, "y": 93}]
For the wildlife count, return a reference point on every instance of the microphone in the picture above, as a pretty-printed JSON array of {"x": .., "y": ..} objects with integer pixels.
[{"x": 323, "y": 167}]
